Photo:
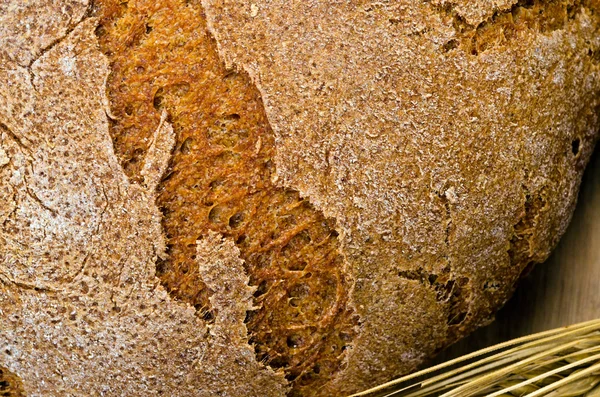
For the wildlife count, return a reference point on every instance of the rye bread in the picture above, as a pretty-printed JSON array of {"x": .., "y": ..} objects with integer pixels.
[{"x": 263, "y": 198}]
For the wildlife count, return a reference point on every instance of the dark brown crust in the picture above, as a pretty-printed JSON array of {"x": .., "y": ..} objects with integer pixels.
[{"x": 221, "y": 178}]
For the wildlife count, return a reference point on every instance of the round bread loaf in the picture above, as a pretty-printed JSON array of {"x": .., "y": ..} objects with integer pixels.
[{"x": 270, "y": 198}]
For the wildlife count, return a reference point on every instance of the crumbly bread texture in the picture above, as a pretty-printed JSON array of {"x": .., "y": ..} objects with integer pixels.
[{"x": 276, "y": 197}]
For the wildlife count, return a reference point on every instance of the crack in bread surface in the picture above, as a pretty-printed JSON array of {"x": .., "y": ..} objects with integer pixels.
[
  {"x": 220, "y": 178},
  {"x": 541, "y": 15}
]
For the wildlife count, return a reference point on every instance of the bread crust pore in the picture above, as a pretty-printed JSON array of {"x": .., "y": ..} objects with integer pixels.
[{"x": 10, "y": 384}]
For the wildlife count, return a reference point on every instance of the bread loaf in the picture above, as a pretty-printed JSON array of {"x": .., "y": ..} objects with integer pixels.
[{"x": 277, "y": 198}]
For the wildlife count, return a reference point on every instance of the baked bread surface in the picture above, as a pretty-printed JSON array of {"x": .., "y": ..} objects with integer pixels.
[{"x": 274, "y": 198}]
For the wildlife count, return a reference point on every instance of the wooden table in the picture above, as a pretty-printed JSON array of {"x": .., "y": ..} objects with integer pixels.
[{"x": 564, "y": 290}]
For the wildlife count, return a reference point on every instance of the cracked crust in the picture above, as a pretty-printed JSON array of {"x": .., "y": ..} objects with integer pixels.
[
  {"x": 446, "y": 139},
  {"x": 82, "y": 312},
  {"x": 220, "y": 179},
  {"x": 34, "y": 33}
]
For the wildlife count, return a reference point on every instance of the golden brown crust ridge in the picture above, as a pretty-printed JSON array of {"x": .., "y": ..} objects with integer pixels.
[{"x": 221, "y": 179}]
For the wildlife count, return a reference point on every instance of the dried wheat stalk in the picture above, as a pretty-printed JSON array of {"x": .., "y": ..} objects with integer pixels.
[{"x": 563, "y": 362}]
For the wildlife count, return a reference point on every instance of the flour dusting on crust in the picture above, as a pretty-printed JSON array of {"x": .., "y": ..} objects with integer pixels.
[{"x": 81, "y": 311}]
